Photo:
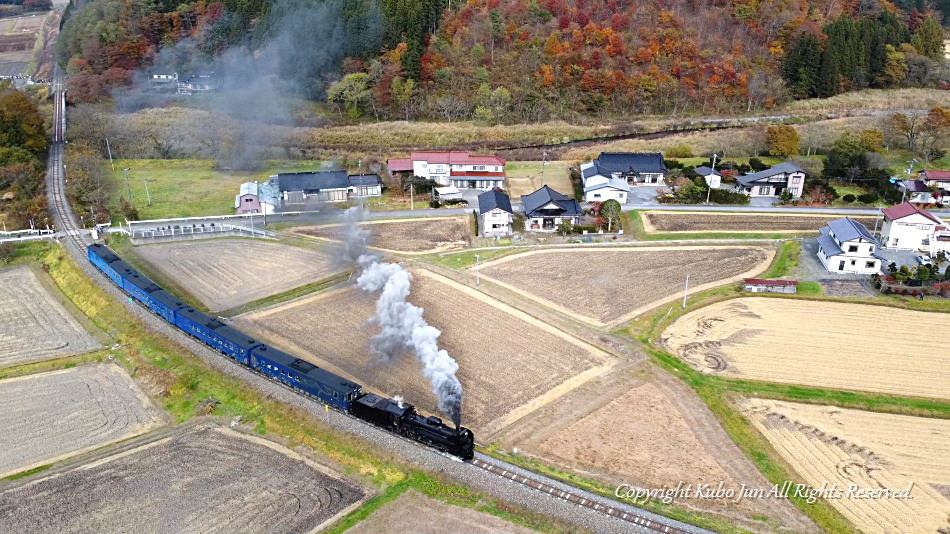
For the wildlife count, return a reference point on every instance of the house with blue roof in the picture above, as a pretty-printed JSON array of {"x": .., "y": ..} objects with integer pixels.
[
  {"x": 846, "y": 246},
  {"x": 546, "y": 209},
  {"x": 494, "y": 213}
]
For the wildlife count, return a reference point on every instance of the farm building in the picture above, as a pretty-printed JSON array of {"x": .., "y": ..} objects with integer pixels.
[
  {"x": 917, "y": 192},
  {"x": 255, "y": 198},
  {"x": 632, "y": 168},
  {"x": 907, "y": 227},
  {"x": 163, "y": 82},
  {"x": 199, "y": 82},
  {"x": 495, "y": 213},
  {"x": 458, "y": 169},
  {"x": 365, "y": 185},
  {"x": 773, "y": 181},
  {"x": 448, "y": 192},
  {"x": 706, "y": 172},
  {"x": 546, "y": 209},
  {"x": 758, "y": 285},
  {"x": 935, "y": 178},
  {"x": 846, "y": 246}
]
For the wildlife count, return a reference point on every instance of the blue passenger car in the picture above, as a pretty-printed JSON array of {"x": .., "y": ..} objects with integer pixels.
[
  {"x": 155, "y": 298},
  {"x": 110, "y": 264},
  {"x": 216, "y": 334},
  {"x": 305, "y": 376}
]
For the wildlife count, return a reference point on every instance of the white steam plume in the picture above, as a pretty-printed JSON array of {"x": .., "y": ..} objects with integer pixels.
[{"x": 402, "y": 327}]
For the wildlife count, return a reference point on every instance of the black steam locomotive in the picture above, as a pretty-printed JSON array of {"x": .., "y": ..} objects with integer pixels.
[{"x": 304, "y": 377}]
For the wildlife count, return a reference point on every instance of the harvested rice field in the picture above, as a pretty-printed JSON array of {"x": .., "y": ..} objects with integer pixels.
[
  {"x": 410, "y": 236},
  {"x": 693, "y": 221},
  {"x": 857, "y": 451},
  {"x": 225, "y": 273},
  {"x": 823, "y": 344},
  {"x": 649, "y": 430},
  {"x": 606, "y": 287},
  {"x": 416, "y": 513},
  {"x": 49, "y": 416},
  {"x": 524, "y": 177},
  {"x": 34, "y": 325},
  {"x": 202, "y": 480},
  {"x": 504, "y": 376}
]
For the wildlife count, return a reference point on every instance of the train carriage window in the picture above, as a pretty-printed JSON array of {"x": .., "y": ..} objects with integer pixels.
[{"x": 335, "y": 396}]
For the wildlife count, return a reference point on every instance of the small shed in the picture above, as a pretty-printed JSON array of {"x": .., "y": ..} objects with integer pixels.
[
  {"x": 758, "y": 285},
  {"x": 446, "y": 193}
]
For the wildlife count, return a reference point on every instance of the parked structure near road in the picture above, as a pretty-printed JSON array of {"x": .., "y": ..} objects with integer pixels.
[
  {"x": 256, "y": 198},
  {"x": 631, "y": 168},
  {"x": 846, "y": 246},
  {"x": 460, "y": 169},
  {"x": 907, "y": 227},
  {"x": 495, "y": 213},
  {"x": 324, "y": 186},
  {"x": 758, "y": 285},
  {"x": 546, "y": 209},
  {"x": 772, "y": 181},
  {"x": 448, "y": 192}
]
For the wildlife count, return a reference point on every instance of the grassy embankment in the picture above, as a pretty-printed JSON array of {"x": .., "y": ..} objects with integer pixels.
[
  {"x": 181, "y": 382},
  {"x": 634, "y": 226},
  {"x": 717, "y": 392}
]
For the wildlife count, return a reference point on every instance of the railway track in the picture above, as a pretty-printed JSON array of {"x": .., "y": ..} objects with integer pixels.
[{"x": 65, "y": 221}]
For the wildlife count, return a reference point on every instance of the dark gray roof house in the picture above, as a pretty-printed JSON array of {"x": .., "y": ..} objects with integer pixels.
[
  {"x": 706, "y": 171},
  {"x": 364, "y": 179},
  {"x": 845, "y": 230},
  {"x": 627, "y": 162},
  {"x": 311, "y": 182},
  {"x": 492, "y": 199},
  {"x": 781, "y": 168},
  {"x": 546, "y": 202}
]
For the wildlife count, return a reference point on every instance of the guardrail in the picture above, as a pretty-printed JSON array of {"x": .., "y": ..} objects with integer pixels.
[
  {"x": 173, "y": 231},
  {"x": 27, "y": 232},
  {"x": 217, "y": 217}
]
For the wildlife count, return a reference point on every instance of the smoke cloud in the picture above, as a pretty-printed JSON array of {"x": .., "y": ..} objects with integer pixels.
[{"x": 402, "y": 327}]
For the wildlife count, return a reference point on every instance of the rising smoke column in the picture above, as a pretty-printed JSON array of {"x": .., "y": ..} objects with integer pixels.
[{"x": 402, "y": 327}]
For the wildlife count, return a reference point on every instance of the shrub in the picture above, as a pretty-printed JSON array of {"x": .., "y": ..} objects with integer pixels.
[
  {"x": 681, "y": 150},
  {"x": 757, "y": 165},
  {"x": 868, "y": 198},
  {"x": 7, "y": 251},
  {"x": 849, "y": 198},
  {"x": 456, "y": 202}
]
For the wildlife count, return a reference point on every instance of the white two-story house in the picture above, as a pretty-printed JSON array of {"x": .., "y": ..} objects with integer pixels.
[
  {"x": 459, "y": 169},
  {"x": 772, "y": 181},
  {"x": 601, "y": 185},
  {"x": 846, "y": 246},
  {"x": 495, "y": 213},
  {"x": 908, "y": 227}
]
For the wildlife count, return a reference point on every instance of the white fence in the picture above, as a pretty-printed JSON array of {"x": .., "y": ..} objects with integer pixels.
[{"x": 194, "y": 231}]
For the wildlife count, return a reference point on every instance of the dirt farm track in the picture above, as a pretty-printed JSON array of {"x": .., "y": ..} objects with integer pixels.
[
  {"x": 33, "y": 324},
  {"x": 611, "y": 286},
  {"x": 504, "y": 375},
  {"x": 871, "y": 450},
  {"x": 225, "y": 273},
  {"x": 406, "y": 236},
  {"x": 702, "y": 221},
  {"x": 52, "y": 415},
  {"x": 823, "y": 344},
  {"x": 224, "y": 482}
]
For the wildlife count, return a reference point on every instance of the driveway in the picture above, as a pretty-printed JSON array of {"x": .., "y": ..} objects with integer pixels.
[
  {"x": 642, "y": 195},
  {"x": 763, "y": 202},
  {"x": 900, "y": 257}
]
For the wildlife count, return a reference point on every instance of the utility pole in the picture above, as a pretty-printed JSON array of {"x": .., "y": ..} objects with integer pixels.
[
  {"x": 147, "y": 196},
  {"x": 109, "y": 149},
  {"x": 910, "y": 168},
  {"x": 544, "y": 163},
  {"x": 685, "y": 291},
  {"x": 127, "y": 185},
  {"x": 412, "y": 202},
  {"x": 708, "y": 180}
]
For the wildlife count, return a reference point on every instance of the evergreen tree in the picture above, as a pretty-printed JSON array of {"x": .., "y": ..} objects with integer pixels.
[
  {"x": 928, "y": 40},
  {"x": 828, "y": 76}
]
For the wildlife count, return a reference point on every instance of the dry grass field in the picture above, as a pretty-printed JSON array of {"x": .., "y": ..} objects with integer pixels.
[
  {"x": 414, "y": 512},
  {"x": 823, "y": 344},
  {"x": 224, "y": 273},
  {"x": 650, "y": 431},
  {"x": 870, "y": 450},
  {"x": 523, "y": 177},
  {"x": 686, "y": 222},
  {"x": 203, "y": 480},
  {"x": 49, "y": 416},
  {"x": 33, "y": 324},
  {"x": 611, "y": 286},
  {"x": 412, "y": 236},
  {"x": 504, "y": 376}
]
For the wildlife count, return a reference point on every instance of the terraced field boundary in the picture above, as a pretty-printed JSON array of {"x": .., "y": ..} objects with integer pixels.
[
  {"x": 638, "y": 228},
  {"x": 182, "y": 382}
]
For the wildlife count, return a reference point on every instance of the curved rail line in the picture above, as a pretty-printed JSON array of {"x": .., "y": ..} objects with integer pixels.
[{"x": 65, "y": 221}]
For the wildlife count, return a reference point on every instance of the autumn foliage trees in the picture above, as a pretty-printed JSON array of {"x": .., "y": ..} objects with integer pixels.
[{"x": 22, "y": 141}]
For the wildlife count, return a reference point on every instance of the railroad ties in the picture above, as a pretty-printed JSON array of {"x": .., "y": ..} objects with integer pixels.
[{"x": 575, "y": 499}]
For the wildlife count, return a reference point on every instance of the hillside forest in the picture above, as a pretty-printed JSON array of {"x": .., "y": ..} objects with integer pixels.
[
  {"x": 22, "y": 144},
  {"x": 502, "y": 61}
]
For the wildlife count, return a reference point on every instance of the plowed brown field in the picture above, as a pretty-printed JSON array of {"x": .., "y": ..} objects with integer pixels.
[
  {"x": 509, "y": 362},
  {"x": 413, "y": 236},
  {"x": 822, "y": 344},
  {"x": 611, "y": 286},
  {"x": 827, "y": 444},
  {"x": 688, "y": 221}
]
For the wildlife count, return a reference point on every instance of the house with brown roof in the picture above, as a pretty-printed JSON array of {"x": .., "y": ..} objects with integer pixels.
[
  {"x": 908, "y": 227},
  {"x": 935, "y": 178},
  {"x": 460, "y": 169}
]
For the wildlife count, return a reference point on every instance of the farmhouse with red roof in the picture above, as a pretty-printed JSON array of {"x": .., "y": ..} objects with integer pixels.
[
  {"x": 908, "y": 227},
  {"x": 935, "y": 178},
  {"x": 461, "y": 169}
]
